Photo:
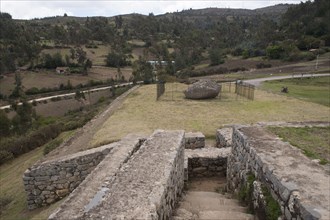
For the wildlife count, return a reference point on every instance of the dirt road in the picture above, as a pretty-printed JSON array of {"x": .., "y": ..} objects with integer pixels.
[{"x": 257, "y": 82}]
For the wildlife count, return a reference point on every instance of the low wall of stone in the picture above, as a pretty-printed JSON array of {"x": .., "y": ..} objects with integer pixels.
[
  {"x": 50, "y": 181},
  {"x": 194, "y": 140},
  {"x": 91, "y": 191},
  {"x": 206, "y": 162},
  {"x": 147, "y": 186},
  {"x": 296, "y": 183},
  {"x": 224, "y": 137}
]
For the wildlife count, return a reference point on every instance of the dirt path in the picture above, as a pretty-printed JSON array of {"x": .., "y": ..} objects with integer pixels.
[
  {"x": 81, "y": 140},
  {"x": 257, "y": 82}
]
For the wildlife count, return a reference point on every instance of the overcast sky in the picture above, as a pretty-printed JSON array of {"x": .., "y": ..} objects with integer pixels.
[{"x": 27, "y": 9}]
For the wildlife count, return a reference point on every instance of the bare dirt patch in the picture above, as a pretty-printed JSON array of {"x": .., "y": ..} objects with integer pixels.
[{"x": 209, "y": 184}]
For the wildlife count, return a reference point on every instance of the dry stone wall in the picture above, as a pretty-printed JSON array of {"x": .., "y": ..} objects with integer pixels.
[
  {"x": 50, "y": 181},
  {"x": 299, "y": 185},
  {"x": 206, "y": 162},
  {"x": 91, "y": 191},
  {"x": 224, "y": 137},
  {"x": 148, "y": 185},
  {"x": 194, "y": 140}
]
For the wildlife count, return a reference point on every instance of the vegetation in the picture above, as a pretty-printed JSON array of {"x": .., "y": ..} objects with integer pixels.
[
  {"x": 315, "y": 89},
  {"x": 187, "y": 37},
  {"x": 245, "y": 194},
  {"x": 12, "y": 193},
  {"x": 24, "y": 133},
  {"x": 272, "y": 208},
  {"x": 314, "y": 142}
]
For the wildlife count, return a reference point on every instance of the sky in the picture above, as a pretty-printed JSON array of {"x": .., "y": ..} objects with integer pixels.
[{"x": 28, "y": 9}]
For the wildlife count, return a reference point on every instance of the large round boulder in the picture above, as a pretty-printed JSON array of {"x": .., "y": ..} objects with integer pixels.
[{"x": 203, "y": 89}]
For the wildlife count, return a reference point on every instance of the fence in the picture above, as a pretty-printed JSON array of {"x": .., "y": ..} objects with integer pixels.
[
  {"x": 229, "y": 91},
  {"x": 160, "y": 89},
  {"x": 244, "y": 89}
]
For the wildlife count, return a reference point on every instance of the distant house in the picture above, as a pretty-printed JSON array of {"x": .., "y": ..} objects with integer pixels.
[{"x": 61, "y": 70}]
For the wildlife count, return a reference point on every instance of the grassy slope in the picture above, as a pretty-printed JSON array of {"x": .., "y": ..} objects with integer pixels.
[
  {"x": 311, "y": 89},
  {"x": 11, "y": 186},
  {"x": 140, "y": 112},
  {"x": 313, "y": 141}
]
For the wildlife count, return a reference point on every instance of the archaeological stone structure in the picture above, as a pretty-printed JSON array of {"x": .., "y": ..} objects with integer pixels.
[
  {"x": 194, "y": 140},
  {"x": 299, "y": 185},
  {"x": 143, "y": 177}
]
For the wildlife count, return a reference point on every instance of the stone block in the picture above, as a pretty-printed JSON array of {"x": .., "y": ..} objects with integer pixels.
[{"x": 224, "y": 137}]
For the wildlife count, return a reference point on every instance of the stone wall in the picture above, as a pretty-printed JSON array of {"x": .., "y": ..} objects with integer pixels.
[
  {"x": 148, "y": 185},
  {"x": 131, "y": 182},
  {"x": 294, "y": 181},
  {"x": 206, "y": 162},
  {"x": 50, "y": 181},
  {"x": 224, "y": 137},
  {"x": 89, "y": 193},
  {"x": 194, "y": 140}
]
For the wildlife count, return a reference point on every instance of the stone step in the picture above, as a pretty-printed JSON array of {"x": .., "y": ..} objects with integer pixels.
[
  {"x": 224, "y": 215},
  {"x": 196, "y": 206},
  {"x": 210, "y": 205}
]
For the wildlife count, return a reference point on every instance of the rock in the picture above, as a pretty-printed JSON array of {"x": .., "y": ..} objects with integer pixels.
[{"x": 203, "y": 89}]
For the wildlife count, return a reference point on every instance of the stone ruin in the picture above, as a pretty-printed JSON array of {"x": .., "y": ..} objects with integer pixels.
[{"x": 143, "y": 178}]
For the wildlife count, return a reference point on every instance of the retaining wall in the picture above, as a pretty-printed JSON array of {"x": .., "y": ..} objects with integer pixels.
[
  {"x": 206, "y": 162},
  {"x": 299, "y": 185},
  {"x": 148, "y": 185},
  {"x": 51, "y": 181},
  {"x": 89, "y": 193}
]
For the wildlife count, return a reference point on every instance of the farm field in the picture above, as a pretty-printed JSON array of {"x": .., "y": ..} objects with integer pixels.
[
  {"x": 141, "y": 112},
  {"x": 49, "y": 79},
  {"x": 311, "y": 89}
]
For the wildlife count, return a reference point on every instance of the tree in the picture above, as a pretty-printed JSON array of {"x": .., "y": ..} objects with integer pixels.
[
  {"x": 18, "y": 90},
  {"x": 142, "y": 70},
  {"x": 4, "y": 124},
  {"x": 116, "y": 60},
  {"x": 215, "y": 56},
  {"x": 24, "y": 117},
  {"x": 274, "y": 52}
]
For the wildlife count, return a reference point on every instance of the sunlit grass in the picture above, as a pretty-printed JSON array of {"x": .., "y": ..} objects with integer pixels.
[
  {"x": 311, "y": 89},
  {"x": 315, "y": 142},
  {"x": 142, "y": 113}
]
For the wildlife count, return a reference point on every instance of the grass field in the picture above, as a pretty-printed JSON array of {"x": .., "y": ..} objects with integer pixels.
[
  {"x": 12, "y": 189},
  {"x": 313, "y": 141},
  {"x": 311, "y": 89},
  {"x": 142, "y": 113}
]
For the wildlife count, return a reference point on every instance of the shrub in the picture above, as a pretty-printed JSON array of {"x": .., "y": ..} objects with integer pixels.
[
  {"x": 18, "y": 145},
  {"x": 32, "y": 91},
  {"x": 53, "y": 144},
  {"x": 263, "y": 65},
  {"x": 5, "y": 156}
]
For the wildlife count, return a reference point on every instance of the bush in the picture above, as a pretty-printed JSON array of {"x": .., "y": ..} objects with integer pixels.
[
  {"x": 263, "y": 65},
  {"x": 32, "y": 91},
  {"x": 55, "y": 99},
  {"x": 15, "y": 146},
  {"x": 53, "y": 144},
  {"x": 5, "y": 156}
]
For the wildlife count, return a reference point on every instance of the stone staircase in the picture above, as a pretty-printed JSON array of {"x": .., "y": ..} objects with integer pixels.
[{"x": 208, "y": 206}]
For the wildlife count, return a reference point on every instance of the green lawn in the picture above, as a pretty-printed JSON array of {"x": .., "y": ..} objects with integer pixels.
[
  {"x": 315, "y": 141},
  {"x": 310, "y": 89}
]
